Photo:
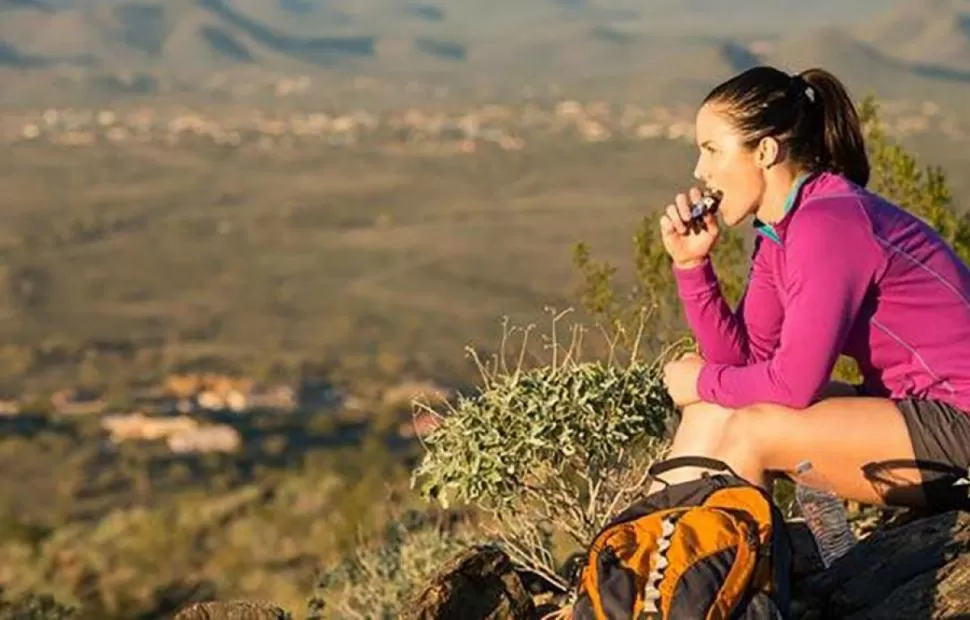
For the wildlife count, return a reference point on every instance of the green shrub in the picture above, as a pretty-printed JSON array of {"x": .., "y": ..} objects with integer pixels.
[{"x": 559, "y": 447}]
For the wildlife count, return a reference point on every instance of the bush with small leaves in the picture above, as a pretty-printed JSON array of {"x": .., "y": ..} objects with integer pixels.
[
  {"x": 560, "y": 447},
  {"x": 376, "y": 581}
]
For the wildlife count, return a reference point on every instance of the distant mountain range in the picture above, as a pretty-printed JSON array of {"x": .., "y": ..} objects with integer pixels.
[{"x": 668, "y": 48}]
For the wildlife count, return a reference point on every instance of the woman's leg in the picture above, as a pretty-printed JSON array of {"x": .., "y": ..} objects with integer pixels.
[
  {"x": 698, "y": 434},
  {"x": 860, "y": 448},
  {"x": 701, "y": 428}
]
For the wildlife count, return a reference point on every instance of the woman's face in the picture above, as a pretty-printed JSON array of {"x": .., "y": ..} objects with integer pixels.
[{"x": 726, "y": 165}]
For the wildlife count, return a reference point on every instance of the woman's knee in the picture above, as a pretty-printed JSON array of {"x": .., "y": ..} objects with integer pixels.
[
  {"x": 698, "y": 419},
  {"x": 698, "y": 429},
  {"x": 706, "y": 414},
  {"x": 748, "y": 431}
]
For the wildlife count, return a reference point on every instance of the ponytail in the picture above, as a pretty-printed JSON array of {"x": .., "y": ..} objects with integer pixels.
[{"x": 843, "y": 146}]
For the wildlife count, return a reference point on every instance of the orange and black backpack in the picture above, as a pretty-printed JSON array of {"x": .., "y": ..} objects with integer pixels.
[{"x": 715, "y": 548}]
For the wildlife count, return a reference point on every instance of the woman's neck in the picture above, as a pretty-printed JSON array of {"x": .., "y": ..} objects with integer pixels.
[{"x": 775, "y": 199}]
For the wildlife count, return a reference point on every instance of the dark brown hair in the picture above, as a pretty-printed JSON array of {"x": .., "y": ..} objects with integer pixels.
[{"x": 810, "y": 114}]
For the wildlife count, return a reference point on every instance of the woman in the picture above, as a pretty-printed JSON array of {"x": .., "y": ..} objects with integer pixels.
[{"x": 836, "y": 269}]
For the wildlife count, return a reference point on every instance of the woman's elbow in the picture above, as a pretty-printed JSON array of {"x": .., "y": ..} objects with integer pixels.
[
  {"x": 796, "y": 397},
  {"x": 796, "y": 391}
]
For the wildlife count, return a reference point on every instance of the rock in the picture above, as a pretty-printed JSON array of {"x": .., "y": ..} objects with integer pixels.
[
  {"x": 919, "y": 570},
  {"x": 233, "y": 610},
  {"x": 480, "y": 583}
]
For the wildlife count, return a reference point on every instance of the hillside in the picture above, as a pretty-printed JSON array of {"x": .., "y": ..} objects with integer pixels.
[
  {"x": 934, "y": 34},
  {"x": 857, "y": 63},
  {"x": 654, "y": 52}
]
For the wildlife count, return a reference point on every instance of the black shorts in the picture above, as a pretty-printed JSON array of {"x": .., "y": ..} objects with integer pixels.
[{"x": 940, "y": 434}]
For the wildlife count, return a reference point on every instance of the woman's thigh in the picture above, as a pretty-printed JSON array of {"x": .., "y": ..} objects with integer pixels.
[
  {"x": 860, "y": 447},
  {"x": 699, "y": 429}
]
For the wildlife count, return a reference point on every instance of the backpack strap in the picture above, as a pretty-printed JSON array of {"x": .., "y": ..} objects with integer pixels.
[{"x": 678, "y": 462}]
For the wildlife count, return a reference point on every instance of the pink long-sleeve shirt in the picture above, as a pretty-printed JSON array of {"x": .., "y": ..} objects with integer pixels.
[{"x": 845, "y": 271}]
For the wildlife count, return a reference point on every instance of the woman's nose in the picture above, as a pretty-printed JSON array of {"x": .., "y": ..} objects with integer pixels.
[{"x": 698, "y": 171}]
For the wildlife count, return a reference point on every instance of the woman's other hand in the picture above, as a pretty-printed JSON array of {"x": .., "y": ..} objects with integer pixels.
[
  {"x": 680, "y": 379},
  {"x": 687, "y": 249}
]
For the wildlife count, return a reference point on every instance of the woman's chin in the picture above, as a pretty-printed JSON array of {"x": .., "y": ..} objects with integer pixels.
[
  {"x": 731, "y": 216},
  {"x": 732, "y": 221}
]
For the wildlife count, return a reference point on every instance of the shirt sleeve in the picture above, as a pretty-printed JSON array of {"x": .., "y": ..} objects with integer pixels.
[
  {"x": 747, "y": 334},
  {"x": 830, "y": 263}
]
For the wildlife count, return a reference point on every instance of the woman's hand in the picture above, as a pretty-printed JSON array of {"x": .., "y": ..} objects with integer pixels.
[
  {"x": 687, "y": 249},
  {"x": 680, "y": 379}
]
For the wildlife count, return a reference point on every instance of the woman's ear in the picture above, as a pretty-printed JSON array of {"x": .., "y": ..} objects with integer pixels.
[{"x": 768, "y": 153}]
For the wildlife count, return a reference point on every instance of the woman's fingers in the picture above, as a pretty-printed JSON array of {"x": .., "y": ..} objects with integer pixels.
[
  {"x": 676, "y": 220},
  {"x": 710, "y": 223},
  {"x": 683, "y": 207}
]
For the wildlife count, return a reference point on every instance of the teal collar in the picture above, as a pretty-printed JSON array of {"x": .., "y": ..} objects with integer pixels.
[{"x": 767, "y": 229}]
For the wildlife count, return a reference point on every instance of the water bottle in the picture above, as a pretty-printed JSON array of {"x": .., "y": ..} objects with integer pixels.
[{"x": 825, "y": 517}]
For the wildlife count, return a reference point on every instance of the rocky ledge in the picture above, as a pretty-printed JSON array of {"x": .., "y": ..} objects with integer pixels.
[{"x": 919, "y": 570}]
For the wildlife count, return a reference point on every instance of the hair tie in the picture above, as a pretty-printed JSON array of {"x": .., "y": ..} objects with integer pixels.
[{"x": 800, "y": 86}]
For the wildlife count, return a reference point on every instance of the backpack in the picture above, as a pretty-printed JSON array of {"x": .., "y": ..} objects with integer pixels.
[{"x": 715, "y": 548}]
